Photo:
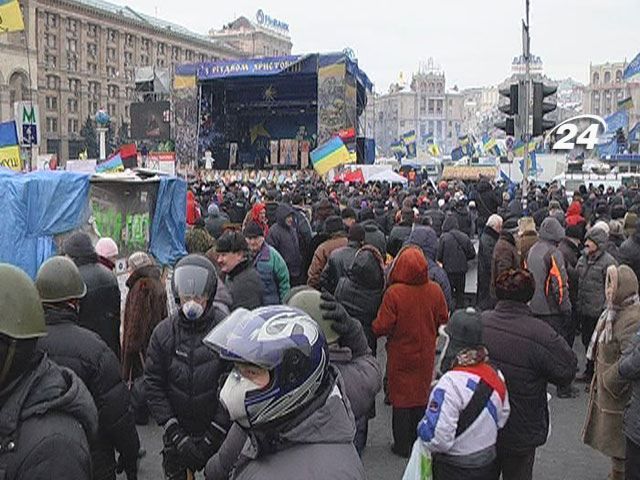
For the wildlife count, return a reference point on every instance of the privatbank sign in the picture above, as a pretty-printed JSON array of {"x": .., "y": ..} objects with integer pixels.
[{"x": 265, "y": 20}]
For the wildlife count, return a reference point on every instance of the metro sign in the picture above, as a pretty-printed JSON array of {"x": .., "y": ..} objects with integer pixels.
[{"x": 27, "y": 118}]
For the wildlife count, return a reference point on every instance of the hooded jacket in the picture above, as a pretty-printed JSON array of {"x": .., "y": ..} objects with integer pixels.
[
  {"x": 630, "y": 252},
  {"x": 284, "y": 239},
  {"x": 338, "y": 264},
  {"x": 487, "y": 244},
  {"x": 546, "y": 264},
  {"x": 592, "y": 274},
  {"x": 427, "y": 240},
  {"x": 629, "y": 369},
  {"x": 48, "y": 414},
  {"x": 215, "y": 222},
  {"x": 412, "y": 310},
  {"x": 571, "y": 253},
  {"x": 274, "y": 274},
  {"x": 84, "y": 352},
  {"x": 455, "y": 248},
  {"x": 321, "y": 256},
  {"x": 397, "y": 237},
  {"x": 487, "y": 201},
  {"x": 374, "y": 236},
  {"x": 574, "y": 214},
  {"x": 245, "y": 286},
  {"x": 505, "y": 257}
]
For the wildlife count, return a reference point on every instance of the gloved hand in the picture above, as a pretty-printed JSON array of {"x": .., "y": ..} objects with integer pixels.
[
  {"x": 349, "y": 329},
  {"x": 129, "y": 466},
  {"x": 176, "y": 437},
  {"x": 214, "y": 437}
]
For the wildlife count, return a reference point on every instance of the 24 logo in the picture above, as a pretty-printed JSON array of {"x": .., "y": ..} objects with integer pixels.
[{"x": 571, "y": 129}]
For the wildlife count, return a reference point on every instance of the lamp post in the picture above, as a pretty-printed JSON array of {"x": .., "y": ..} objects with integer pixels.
[{"x": 102, "y": 126}]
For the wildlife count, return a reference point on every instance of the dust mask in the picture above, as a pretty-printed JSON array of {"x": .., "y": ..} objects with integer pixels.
[
  {"x": 192, "y": 310},
  {"x": 233, "y": 395}
]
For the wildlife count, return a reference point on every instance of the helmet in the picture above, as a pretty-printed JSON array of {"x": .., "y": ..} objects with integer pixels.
[
  {"x": 308, "y": 300},
  {"x": 194, "y": 276},
  {"x": 22, "y": 314},
  {"x": 107, "y": 248},
  {"x": 59, "y": 280},
  {"x": 284, "y": 340}
]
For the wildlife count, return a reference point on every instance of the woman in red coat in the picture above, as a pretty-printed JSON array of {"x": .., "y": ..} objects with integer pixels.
[{"x": 412, "y": 310}]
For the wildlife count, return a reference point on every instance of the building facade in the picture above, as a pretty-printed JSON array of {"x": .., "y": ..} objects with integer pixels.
[
  {"x": 83, "y": 58},
  {"x": 256, "y": 39},
  {"x": 607, "y": 87}
]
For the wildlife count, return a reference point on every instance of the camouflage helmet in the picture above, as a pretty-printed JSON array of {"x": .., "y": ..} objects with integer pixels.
[
  {"x": 22, "y": 315},
  {"x": 59, "y": 280}
]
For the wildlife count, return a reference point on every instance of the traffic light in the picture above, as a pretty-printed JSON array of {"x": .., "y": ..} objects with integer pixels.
[
  {"x": 541, "y": 108},
  {"x": 511, "y": 109}
]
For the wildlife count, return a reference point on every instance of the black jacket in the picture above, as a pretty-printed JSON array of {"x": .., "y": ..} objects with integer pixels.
[
  {"x": 454, "y": 248},
  {"x": 373, "y": 235},
  {"x": 245, "y": 286},
  {"x": 488, "y": 241},
  {"x": 397, "y": 237},
  {"x": 338, "y": 264},
  {"x": 49, "y": 415},
  {"x": 464, "y": 219},
  {"x": 285, "y": 240},
  {"x": 100, "y": 307},
  {"x": 215, "y": 224},
  {"x": 84, "y": 352},
  {"x": 437, "y": 219},
  {"x": 530, "y": 354},
  {"x": 571, "y": 253},
  {"x": 630, "y": 253},
  {"x": 487, "y": 201},
  {"x": 181, "y": 373}
]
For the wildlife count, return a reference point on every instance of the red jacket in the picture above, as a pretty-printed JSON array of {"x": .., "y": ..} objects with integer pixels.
[
  {"x": 574, "y": 214},
  {"x": 412, "y": 310},
  {"x": 193, "y": 210}
]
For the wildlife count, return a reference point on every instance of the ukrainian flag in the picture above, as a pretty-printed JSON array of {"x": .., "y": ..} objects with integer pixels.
[
  {"x": 329, "y": 155},
  {"x": 518, "y": 149},
  {"x": 409, "y": 137},
  {"x": 10, "y": 16},
  {"x": 625, "y": 104},
  {"x": 434, "y": 150}
]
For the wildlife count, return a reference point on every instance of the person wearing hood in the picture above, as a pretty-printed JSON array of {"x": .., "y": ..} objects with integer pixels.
[
  {"x": 48, "y": 415},
  {"x": 571, "y": 248},
  {"x": 336, "y": 238},
  {"x": 145, "y": 308},
  {"x": 69, "y": 345},
  {"x": 615, "y": 333},
  {"x": 505, "y": 253},
  {"x": 555, "y": 210},
  {"x": 530, "y": 354},
  {"x": 340, "y": 260},
  {"x": 400, "y": 232},
  {"x": 216, "y": 221},
  {"x": 193, "y": 208},
  {"x": 616, "y": 238},
  {"x": 100, "y": 307},
  {"x": 373, "y": 234},
  {"x": 467, "y": 406},
  {"x": 426, "y": 239},
  {"x": 461, "y": 212},
  {"x": 592, "y": 274},
  {"x": 487, "y": 202},
  {"x": 487, "y": 244},
  {"x": 527, "y": 237},
  {"x": 455, "y": 250},
  {"x": 283, "y": 236},
  {"x": 286, "y": 398},
  {"x": 436, "y": 215},
  {"x": 413, "y": 307},
  {"x": 269, "y": 264},
  {"x": 241, "y": 278},
  {"x": 181, "y": 374},
  {"x": 630, "y": 252},
  {"x": 574, "y": 214},
  {"x": 630, "y": 223},
  {"x": 550, "y": 301},
  {"x": 305, "y": 233},
  {"x": 258, "y": 215}
]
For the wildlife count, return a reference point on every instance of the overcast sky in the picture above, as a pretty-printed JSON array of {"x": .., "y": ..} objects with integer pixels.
[{"x": 474, "y": 41}]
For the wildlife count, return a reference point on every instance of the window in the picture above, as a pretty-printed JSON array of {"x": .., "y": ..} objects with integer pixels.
[
  {"x": 92, "y": 68},
  {"x": 94, "y": 87},
  {"x": 160, "y": 62},
  {"x": 72, "y": 126},
  {"x": 432, "y": 106},
  {"x": 92, "y": 50},
  {"x": 596, "y": 78},
  {"x": 129, "y": 93},
  {"x": 188, "y": 55},
  {"x": 112, "y": 35},
  {"x": 129, "y": 40},
  {"x": 126, "y": 111},
  {"x": 128, "y": 58},
  {"x": 618, "y": 76},
  {"x": 128, "y": 75},
  {"x": 145, "y": 44},
  {"x": 112, "y": 110},
  {"x": 175, "y": 53},
  {"x": 51, "y": 19},
  {"x": 72, "y": 45},
  {"x": 92, "y": 105},
  {"x": 52, "y": 103},
  {"x": 50, "y": 40},
  {"x": 74, "y": 85},
  {"x": 50, "y": 61},
  {"x": 203, "y": 57},
  {"x": 161, "y": 48},
  {"x": 72, "y": 105},
  {"x": 52, "y": 82},
  {"x": 72, "y": 25},
  {"x": 113, "y": 91},
  {"x": 52, "y": 125},
  {"x": 144, "y": 60},
  {"x": 439, "y": 106},
  {"x": 607, "y": 77},
  {"x": 92, "y": 30},
  {"x": 111, "y": 72},
  {"x": 72, "y": 64},
  {"x": 111, "y": 54}
]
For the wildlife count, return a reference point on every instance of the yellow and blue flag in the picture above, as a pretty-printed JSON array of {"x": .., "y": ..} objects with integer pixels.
[
  {"x": 625, "y": 104},
  {"x": 409, "y": 138},
  {"x": 10, "y": 16},
  {"x": 113, "y": 165},
  {"x": 330, "y": 154},
  {"x": 632, "y": 69},
  {"x": 9, "y": 148},
  {"x": 518, "y": 149}
]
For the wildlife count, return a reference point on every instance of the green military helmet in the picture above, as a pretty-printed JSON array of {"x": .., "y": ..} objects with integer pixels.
[
  {"x": 21, "y": 314},
  {"x": 59, "y": 280},
  {"x": 308, "y": 300}
]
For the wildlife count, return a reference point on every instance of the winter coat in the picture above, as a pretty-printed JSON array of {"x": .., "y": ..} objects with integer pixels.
[
  {"x": 48, "y": 416},
  {"x": 610, "y": 393},
  {"x": 245, "y": 285},
  {"x": 284, "y": 239},
  {"x": 487, "y": 201},
  {"x": 305, "y": 233},
  {"x": 546, "y": 264},
  {"x": 321, "y": 256},
  {"x": 455, "y": 248},
  {"x": 412, "y": 310},
  {"x": 338, "y": 264},
  {"x": 397, "y": 237},
  {"x": 437, "y": 219},
  {"x": 530, "y": 354},
  {"x": 100, "y": 307},
  {"x": 464, "y": 219},
  {"x": 488, "y": 241},
  {"x": 574, "y": 214},
  {"x": 571, "y": 253},
  {"x": 319, "y": 445},
  {"x": 524, "y": 244},
  {"x": 373, "y": 235},
  {"x": 505, "y": 258},
  {"x": 426, "y": 239},
  {"x": 145, "y": 307},
  {"x": 84, "y": 352},
  {"x": 629, "y": 369},
  {"x": 274, "y": 274},
  {"x": 360, "y": 291},
  {"x": 592, "y": 274},
  {"x": 215, "y": 224},
  {"x": 193, "y": 209},
  {"x": 181, "y": 373},
  {"x": 630, "y": 252}
]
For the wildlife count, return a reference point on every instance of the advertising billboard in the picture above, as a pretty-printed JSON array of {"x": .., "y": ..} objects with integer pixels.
[{"x": 151, "y": 121}]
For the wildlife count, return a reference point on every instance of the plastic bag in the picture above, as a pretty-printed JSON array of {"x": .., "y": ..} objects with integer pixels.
[{"x": 419, "y": 466}]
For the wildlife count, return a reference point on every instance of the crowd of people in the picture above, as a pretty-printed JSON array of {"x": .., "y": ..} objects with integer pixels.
[{"x": 257, "y": 353}]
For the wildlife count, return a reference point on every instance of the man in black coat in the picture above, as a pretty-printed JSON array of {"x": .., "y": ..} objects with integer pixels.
[
  {"x": 100, "y": 307},
  {"x": 400, "y": 232},
  {"x": 630, "y": 252},
  {"x": 215, "y": 221},
  {"x": 283, "y": 236},
  {"x": 455, "y": 250},
  {"x": 530, "y": 354},
  {"x": 487, "y": 202},
  {"x": 373, "y": 234},
  {"x": 69, "y": 345},
  {"x": 241, "y": 278},
  {"x": 340, "y": 260},
  {"x": 488, "y": 241}
]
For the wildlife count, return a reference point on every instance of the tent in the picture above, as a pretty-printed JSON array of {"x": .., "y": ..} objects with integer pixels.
[{"x": 388, "y": 176}]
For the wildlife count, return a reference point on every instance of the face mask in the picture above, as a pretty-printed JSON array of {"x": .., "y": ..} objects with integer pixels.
[
  {"x": 233, "y": 395},
  {"x": 192, "y": 310}
]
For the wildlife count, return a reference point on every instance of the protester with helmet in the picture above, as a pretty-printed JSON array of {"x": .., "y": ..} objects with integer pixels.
[
  {"x": 47, "y": 413},
  {"x": 68, "y": 344},
  {"x": 181, "y": 373},
  {"x": 284, "y": 392}
]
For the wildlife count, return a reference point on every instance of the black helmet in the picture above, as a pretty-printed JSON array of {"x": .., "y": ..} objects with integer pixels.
[
  {"x": 59, "y": 280},
  {"x": 194, "y": 276}
]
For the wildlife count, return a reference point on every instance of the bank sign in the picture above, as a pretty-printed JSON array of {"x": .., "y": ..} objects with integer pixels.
[
  {"x": 27, "y": 119},
  {"x": 265, "y": 20}
]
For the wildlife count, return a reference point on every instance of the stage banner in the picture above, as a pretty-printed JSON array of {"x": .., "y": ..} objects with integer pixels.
[
  {"x": 305, "y": 148},
  {"x": 274, "y": 148},
  {"x": 185, "y": 114},
  {"x": 246, "y": 67},
  {"x": 233, "y": 154},
  {"x": 289, "y": 152}
]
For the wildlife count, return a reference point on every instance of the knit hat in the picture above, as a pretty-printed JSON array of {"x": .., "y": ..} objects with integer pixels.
[
  {"x": 348, "y": 213},
  {"x": 515, "y": 285},
  {"x": 333, "y": 225},
  {"x": 252, "y": 230},
  {"x": 630, "y": 223},
  {"x": 603, "y": 225},
  {"x": 213, "y": 210},
  {"x": 510, "y": 224},
  {"x": 598, "y": 236},
  {"x": 554, "y": 204},
  {"x": 526, "y": 224},
  {"x": 464, "y": 330},
  {"x": 232, "y": 242},
  {"x": 79, "y": 245},
  {"x": 575, "y": 231},
  {"x": 107, "y": 248},
  {"x": 356, "y": 233},
  {"x": 308, "y": 300},
  {"x": 138, "y": 260}
]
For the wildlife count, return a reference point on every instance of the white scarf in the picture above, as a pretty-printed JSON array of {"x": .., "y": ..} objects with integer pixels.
[{"x": 604, "y": 328}]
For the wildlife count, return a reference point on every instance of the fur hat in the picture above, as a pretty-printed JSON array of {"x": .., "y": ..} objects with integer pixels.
[
  {"x": 598, "y": 236},
  {"x": 515, "y": 285},
  {"x": 333, "y": 225},
  {"x": 252, "y": 230}
]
